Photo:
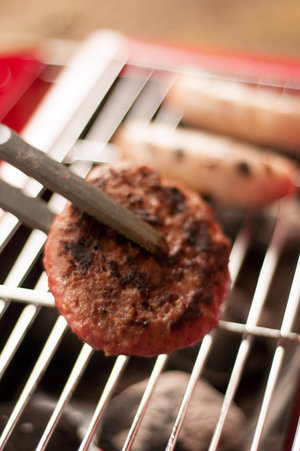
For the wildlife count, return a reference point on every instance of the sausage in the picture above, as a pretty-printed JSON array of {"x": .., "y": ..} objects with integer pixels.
[
  {"x": 226, "y": 170},
  {"x": 261, "y": 115}
]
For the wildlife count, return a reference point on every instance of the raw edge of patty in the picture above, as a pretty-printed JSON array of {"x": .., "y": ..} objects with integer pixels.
[{"x": 119, "y": 298}]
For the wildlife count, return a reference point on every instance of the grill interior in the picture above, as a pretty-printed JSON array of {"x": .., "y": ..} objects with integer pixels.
[{"x": 58, "y": 393}]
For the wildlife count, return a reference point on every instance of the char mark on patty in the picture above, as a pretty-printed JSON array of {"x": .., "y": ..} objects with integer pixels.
[
  {"x": 192, "y": 312},
  {"x": 175, "y": 199},
  {"x": 133, "y": 277},
  {"x": 139, "y": 279},
  {"x": 197, "y": 234},
  {"x": 80, "y": 253}
]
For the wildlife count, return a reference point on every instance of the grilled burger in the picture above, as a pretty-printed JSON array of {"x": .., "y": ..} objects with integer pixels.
[{"x": 119, "y": 298}]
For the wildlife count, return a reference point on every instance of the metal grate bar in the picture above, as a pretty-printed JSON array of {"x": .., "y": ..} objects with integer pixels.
[
  {"x": 292, "y": 303},
  {"x": 27, "y": 295},
  {"x": 112, "y": 381},
  {"x": 37, "y": 372},
  {"x": 84, "y": 82},
  {"x": 125, "y": 95},
  {"x": 261, "y": 291},
  {"x": 151, "y": 99},
  {"x": 239, "y": 250},
  {"x": 288, "y": 319},
  {"x": 259, "y": 331},
  {"x": 25, "y": 320},
  {"x": 75, "y": 375},
  {"x": 199, "y": 363},
  {"x": 296, "y": 442},
  {"x": 20, "y": 269},
  {"x": 45, "y": 299},
  {"x": 8, "y": 225},
  {"x": 158, "y": 368},
  {"x": 25, "y": 260}
]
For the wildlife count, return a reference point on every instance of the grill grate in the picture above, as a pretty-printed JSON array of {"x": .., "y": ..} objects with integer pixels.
[{"x": 90, "y": 99}]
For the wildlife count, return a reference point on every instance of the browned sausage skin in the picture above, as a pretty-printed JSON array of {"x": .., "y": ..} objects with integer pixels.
[
  {"x": 229, "y": 171},
  {"x": 264, "y": 116}
]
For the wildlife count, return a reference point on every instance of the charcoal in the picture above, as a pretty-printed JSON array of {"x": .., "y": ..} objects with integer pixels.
[
  {"x": 32, "y": 423},
  {"x": 160, "y": 415}
]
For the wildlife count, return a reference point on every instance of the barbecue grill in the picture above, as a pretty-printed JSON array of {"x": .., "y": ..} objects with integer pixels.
[{"x": 252, "y": 358}]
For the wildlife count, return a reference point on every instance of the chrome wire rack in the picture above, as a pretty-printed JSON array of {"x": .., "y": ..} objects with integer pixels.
[{"x": 97, "y": 90}]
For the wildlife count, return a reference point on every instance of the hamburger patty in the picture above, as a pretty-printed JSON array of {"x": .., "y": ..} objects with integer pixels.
[{"x": 119, "y": 298}]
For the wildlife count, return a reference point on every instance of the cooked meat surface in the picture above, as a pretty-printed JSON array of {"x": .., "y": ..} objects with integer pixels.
[
  {"x": 119, "y": 298},
  {"x": 247, "y": 176},
  {"x": 254, "y": 113}
]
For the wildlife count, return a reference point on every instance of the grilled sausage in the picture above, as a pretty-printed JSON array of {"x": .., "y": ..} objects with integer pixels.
[
  {"x": 227, "y": 170},
  {"x": 265, "y": 116}
]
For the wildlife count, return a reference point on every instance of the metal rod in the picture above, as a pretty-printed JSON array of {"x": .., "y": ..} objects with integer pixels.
[
  {"x": 261, "y": 291},
  {"x": 37, "y": 372},
  {"x": 258, "y": 331},
  {"x": 198, "y": 366},
  {"x": 15, "y": 338},
  {"x": 32, "y": 211},
  {"x": 86, "y": 196},
  {"x": 296, "y": 442},
  {"x": 27, "y": 295},
  {"x": 288, "y": 319},
  {"x": 23, "y": 323},
  {"x": 112, "y": 381},
  {"x": 159, "y": 365},
  {"x": 74, "y": 377}
]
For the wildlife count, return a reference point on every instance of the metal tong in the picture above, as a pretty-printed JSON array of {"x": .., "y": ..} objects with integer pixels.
[{"x": 58, "y": 178}]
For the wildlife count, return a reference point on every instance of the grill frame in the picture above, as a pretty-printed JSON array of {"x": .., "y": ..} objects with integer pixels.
[{"x": 56, "y": 130}]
